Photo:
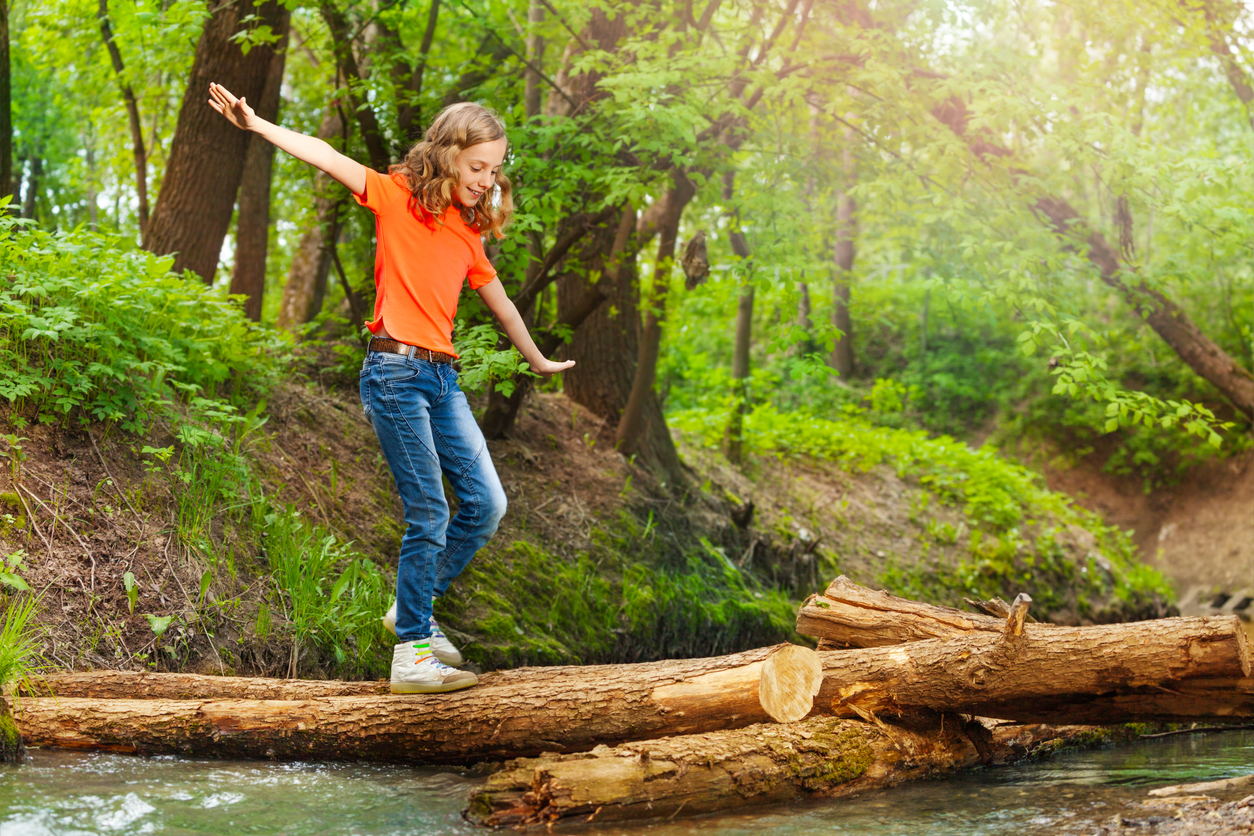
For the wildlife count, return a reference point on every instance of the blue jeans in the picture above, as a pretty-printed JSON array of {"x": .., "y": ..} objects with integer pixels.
[{"x": 425, "y": 428}]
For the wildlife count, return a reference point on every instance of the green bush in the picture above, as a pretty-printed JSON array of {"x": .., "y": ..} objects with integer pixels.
[{"x": 88, "y": 329}]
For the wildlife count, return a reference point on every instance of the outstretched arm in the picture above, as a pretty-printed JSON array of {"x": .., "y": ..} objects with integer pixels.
[
  {"x": 494, "y": 296},
  {"x": 305, "y": 148}
]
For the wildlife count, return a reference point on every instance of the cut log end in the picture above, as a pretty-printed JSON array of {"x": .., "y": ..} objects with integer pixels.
[{"x": 790, "y": 680}]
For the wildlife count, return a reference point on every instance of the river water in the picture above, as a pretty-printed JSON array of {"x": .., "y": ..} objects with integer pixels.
[{"x": 75, "y": 793}]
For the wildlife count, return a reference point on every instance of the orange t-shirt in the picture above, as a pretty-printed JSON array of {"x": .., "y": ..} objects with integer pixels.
[{"x": 419, "y": 265}]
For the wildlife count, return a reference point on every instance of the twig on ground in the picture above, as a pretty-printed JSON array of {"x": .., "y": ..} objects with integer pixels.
[
  {"x": 68, "y": 528},
  {"x": 31, "y": 516},
  {"x": 112, "y": 481}
]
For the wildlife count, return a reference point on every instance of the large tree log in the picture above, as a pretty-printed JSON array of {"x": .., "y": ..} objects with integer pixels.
[
  {"x": 994, "y": 675},
  {"x": 849, "y": 615},
  {"x": 511, "y": 713},
  {"x": 132, "y": 685},
  {"x": 755, "y": 765}
]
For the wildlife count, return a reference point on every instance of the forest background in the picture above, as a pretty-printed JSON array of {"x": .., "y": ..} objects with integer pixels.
[{"x": 878, "y": 234}]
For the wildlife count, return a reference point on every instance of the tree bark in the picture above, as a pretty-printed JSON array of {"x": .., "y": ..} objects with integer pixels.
[
  {"x": 632, "y": 424},
  {"x": 822, "y": 757},
  {"x": 207, "y": 154},
  {"x": 989, "y": 675},
  {"x": 252, "y": 225},
  {"x": 307, "y": 277},
  {"x": 132, "y": 113},
  {"x": 843, "y": 254},
  {"x": 6, "y": 105},
  {"x": 509, "y": 714}
]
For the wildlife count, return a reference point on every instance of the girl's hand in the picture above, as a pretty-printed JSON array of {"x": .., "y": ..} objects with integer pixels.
[
  {"x": 548, "y": 367},
  {"x": 235, "y": 110}
]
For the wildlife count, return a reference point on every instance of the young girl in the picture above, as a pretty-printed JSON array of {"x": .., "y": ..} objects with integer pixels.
[{"x": 430, "y": 212}]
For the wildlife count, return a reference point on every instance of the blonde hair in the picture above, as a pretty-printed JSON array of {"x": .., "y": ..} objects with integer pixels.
[{"x": 431, "y": 174}]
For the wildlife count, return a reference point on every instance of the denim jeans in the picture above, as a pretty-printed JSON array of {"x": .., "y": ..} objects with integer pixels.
[{"x": 425, "y": 428}]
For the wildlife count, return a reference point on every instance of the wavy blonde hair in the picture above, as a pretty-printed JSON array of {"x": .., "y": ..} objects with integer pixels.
[{"x": 431, "y": 175}]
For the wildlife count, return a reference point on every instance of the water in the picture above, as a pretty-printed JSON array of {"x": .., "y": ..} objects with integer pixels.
[{"x": 70, "y": 793}]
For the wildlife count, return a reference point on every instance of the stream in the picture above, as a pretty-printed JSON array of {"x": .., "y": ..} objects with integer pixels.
[{"x": 72, "y": 793}]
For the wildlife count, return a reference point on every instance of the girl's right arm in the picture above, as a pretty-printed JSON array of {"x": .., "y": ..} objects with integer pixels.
[{"x": 305, "y": 148}]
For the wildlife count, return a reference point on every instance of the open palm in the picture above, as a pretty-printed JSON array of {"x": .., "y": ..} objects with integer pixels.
[{"x": 236, "y": 110}]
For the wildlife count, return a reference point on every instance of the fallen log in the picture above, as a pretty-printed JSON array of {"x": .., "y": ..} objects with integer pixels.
[
  {"x": 1036, "y": 674},
  {"x": 724, "y": 770},
  {"x": 145, "y": 685},
  {"x": 849, "y": 615},
  {"x": 510, "y": 713}
]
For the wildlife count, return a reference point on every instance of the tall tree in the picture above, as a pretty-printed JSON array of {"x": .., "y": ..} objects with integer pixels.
[
  {"x": 733, "y": 435},
  {"x": 307, "y": 277},
  {"x": 252, "y": 224},
  {"x": 6, "y": 105},
  {"x": 843, "y": 255},
  {"x": 206, "y": 161},
  {"x": 132, "y": 114}
]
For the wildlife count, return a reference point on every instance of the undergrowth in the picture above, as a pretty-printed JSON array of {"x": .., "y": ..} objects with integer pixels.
[{"x": 1014, "y": 526}]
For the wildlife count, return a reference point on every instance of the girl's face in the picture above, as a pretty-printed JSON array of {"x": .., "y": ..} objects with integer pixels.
[{"x": 476, "y": 170}]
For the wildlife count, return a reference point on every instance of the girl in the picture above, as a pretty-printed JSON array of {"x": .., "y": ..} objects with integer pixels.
[{"x": 430, "y": 211}]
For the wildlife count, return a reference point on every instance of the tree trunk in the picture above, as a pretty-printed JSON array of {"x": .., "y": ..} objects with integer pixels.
[
  {"x": 346, "y": 61},
  {"x": 1011, "y": 677},
  {"x": 1199, "y": 352},
  {"x": 509, "y": 714},
  {"x": 132, "y": 114},
  {"x": 307, "y": 277},
  {"x": 718, "y": 771},
  {"x": 724, "y": 770},
  {"x": 632, "y": 424},
  {"x": 6, "y": 105},
  {"x": 846, "y": 231},
  {"x": 732, "y": 435},
  {"x": 408, "y": 115},
  {"x": 29, "y": 207},
  {"x": 207, "y": 154},
  {"x": 533, "y": 90},
  {"x": 252, "y": 225}
]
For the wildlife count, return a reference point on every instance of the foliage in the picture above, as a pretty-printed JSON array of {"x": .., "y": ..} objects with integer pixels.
[
  {"x": 18, "y": 642},
  {"x": 1014, "y": 524},
  {"x": 89, "y": 331}
]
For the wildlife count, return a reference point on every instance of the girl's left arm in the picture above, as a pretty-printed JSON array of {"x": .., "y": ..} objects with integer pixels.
[{"x": 494, "y": 296}]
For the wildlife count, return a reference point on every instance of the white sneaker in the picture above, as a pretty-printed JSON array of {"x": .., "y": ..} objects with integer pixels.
[
  {"x": 415, "y": 670},
  {"x": 443, "y": 648}
]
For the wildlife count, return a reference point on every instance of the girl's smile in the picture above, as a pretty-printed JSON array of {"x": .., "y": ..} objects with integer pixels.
[{"x": 477, "y": 167}]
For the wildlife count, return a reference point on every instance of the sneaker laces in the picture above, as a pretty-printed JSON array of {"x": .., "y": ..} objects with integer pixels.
[
  {"x": 428, "y": 655},
  {"x": 436, "y": 632}
]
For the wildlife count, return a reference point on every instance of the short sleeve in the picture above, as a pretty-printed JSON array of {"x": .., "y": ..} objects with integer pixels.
[
  {"x": 481, "y": 272},
  {"x": 378, "y": 191}
]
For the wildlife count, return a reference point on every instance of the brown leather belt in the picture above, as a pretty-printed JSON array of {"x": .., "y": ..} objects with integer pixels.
[{"x": 393, "y": 347}]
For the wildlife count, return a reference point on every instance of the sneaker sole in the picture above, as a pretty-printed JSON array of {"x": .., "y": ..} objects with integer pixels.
[{"x": 431, "y": 687}]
